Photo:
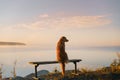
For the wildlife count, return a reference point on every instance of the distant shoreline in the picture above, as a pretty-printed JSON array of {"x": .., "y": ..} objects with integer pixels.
[{"x": 11, "y": 43}]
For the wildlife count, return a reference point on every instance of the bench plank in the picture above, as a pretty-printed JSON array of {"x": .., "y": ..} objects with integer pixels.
[{"x": 53, "y": 62}]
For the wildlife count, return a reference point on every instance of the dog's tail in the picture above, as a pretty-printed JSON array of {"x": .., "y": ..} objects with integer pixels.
[{"x": 63, "y": 68}]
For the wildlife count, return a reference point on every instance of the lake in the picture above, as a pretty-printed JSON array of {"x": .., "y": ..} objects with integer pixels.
[{"x": 92, "y": 58}]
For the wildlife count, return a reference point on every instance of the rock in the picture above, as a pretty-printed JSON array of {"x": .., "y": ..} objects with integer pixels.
[
  {"x": 42, "y": 72},
  {"x": 39, "y": 73},
  {"x": 30, "y": 76},
  {"x": 18, "y": 78}
]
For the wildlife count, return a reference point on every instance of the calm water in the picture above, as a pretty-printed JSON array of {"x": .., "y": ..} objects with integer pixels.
[{"x": 92, "y": 58}]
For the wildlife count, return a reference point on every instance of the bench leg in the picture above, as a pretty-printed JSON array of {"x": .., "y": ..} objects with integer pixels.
[
  {"x": 36, "y": 70},
  {"x": 75, "y": 63}
]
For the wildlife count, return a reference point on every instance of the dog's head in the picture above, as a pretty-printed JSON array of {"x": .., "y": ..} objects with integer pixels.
[{"x": 64, "y": 39}]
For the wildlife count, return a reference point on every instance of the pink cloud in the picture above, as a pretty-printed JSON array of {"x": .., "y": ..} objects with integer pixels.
[
  {"x": 46, "y": 21},
  {"x": 43, "y": 16}
]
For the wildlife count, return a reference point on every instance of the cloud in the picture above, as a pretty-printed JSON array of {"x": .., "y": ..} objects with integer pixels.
[
  {"x": 43, "y": 16},
  {"x": 46, "y": 21}
]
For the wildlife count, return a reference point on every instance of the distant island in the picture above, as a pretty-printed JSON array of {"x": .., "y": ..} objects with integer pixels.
[{"x": 11, "y": 43}]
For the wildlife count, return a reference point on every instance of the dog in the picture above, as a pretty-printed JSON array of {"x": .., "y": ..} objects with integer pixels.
[{"x": 62, "y": 56}]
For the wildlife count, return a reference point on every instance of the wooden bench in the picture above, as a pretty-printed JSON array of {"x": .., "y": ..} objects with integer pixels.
[{"x": 36, "y": 64}]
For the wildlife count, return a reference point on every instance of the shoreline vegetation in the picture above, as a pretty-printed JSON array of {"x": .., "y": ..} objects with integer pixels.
[{"x": 111, "y": 72}]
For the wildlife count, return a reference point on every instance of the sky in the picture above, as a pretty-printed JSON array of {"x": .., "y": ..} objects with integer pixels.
[{"x": 42, "y": 22}]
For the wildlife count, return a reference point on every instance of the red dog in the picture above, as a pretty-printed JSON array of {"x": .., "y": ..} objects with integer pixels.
[{"x": 61, "y": 54}]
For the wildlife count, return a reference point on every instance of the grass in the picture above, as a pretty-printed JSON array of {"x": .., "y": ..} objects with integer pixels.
[{"x": 86, "y": 75}]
